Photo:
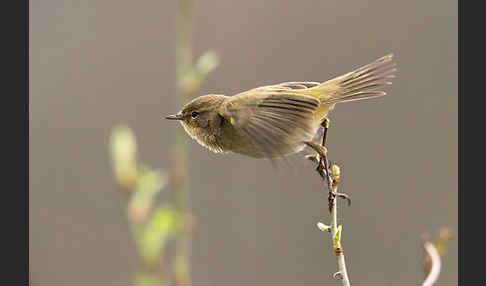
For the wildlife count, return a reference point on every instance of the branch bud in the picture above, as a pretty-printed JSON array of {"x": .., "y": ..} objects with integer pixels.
[{"x": 323, "y": 227}]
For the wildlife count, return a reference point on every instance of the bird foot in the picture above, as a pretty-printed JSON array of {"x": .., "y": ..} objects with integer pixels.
[{"x": 341, "y": 196}]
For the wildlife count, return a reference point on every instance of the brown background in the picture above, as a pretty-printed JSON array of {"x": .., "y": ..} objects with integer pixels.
[{"x": 94, "y": 64}]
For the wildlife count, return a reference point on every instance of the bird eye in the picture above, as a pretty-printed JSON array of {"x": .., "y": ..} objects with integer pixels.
[{"x": 194, "y": 114}]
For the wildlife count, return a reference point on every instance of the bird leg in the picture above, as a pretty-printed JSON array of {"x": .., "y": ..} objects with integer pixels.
[{"x": 323, "y": 166}]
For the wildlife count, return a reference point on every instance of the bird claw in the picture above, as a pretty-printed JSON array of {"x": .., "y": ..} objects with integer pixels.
[
  {"x": 338, "y": 275},
  {"x": 334, "y": 195},
  {"x": 312, "y": 157},
  {"x": 343, "y": 196},
  {"x": 320, "y": 149},
  {"x": 323, "y": 167}
]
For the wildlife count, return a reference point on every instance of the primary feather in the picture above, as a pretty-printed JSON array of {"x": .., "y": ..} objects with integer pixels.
[
  {"x": 276, "y": 123},
  {"x": 279, "y": 118}
]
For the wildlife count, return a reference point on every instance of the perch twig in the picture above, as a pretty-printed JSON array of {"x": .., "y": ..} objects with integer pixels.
[
  {"x": 331, "y": 176},
  {"x": 435, "y": 265},
  {"x": 433, "y": 251}
]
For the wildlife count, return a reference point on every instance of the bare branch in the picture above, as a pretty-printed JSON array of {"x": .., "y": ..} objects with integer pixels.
[
  {"x": 332, "y": 176},
  {"x": 436, "y": 264}
]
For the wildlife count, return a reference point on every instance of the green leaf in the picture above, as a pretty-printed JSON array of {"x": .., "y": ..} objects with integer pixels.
[
  {"x": 193, "y": 79},
  {"x": 149, "y": 184},
  {"x": 162, "y": 226},
  {"x": 207, "y": 63},
  {"x": 148, "y": 280},
  {"x": 123, "y": 148}
]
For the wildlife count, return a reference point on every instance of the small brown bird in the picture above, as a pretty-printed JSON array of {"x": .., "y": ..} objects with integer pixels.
[{"x": 274, "y": 121}]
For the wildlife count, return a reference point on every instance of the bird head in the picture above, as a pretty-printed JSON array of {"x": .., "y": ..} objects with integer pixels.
[{"x": 201, "y": 119}]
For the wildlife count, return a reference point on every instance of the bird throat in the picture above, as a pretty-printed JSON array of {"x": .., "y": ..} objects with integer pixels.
[{"x": 209, "y": 141}]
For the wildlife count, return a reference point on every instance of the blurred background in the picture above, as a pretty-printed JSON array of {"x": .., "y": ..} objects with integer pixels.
[{"x": 96, "y": 64}]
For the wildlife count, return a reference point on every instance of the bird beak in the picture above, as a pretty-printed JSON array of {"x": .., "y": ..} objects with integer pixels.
[{"x": 174, "y": 117}]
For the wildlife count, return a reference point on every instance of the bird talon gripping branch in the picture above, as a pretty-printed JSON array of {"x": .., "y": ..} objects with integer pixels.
[
  {"x": 338, "y": 275},
  {"x": 344, "y": 196}
]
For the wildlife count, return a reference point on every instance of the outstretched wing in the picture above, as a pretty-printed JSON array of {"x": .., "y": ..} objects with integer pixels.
[
  {"x": 273, "y": 117},
  {"x": 291, "y": 85}
]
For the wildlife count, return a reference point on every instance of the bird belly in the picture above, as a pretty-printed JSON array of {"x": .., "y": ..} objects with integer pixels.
[{"x": 245, "y": 146}]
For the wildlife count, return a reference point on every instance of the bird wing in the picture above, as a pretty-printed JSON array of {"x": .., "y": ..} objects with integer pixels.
[
  {"x": 273, "y": 117},
  {"x": 291, "y": 85}
]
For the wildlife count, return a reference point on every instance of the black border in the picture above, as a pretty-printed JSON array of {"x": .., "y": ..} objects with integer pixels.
[
  {"x": 15, "y": 122},
  {"x": 26, "y": 126},
  {"x": 459, "y": 136}
]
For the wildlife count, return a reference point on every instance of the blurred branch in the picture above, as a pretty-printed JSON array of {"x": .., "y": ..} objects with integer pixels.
[
  {"x": 433, "y": 275},
  {"x": 332, "y": 176},
  {"x": 194, "y": 78},
  {"x": 153, "y": 227},
  {"x": 432, "y": 255},
  {"x": 140, "y": 185},
  {"x": 189, "y": 80}
]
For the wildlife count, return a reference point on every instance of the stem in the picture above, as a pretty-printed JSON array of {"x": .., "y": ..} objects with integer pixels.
[
  {"x": 190, "y": 77},
  {"x": 436, "y": 264},
  {"x": 180, "y": 150},
  {"x": 184, "y": 41},
  {"x": 331, "y": 176},
  {"x": 335, "y": 229},
  {"x": 336, "y": 235}
]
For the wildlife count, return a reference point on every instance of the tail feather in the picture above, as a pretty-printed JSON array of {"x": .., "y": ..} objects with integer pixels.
[
  {"x": 356, "y": 96},
  {"x": 358, "y": 84}
]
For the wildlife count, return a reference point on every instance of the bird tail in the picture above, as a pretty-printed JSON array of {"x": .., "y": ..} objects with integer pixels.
[{"x": 358, "y": 84}]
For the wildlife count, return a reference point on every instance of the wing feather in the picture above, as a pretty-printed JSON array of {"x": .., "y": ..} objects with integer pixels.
[{"x": 276, "y": 120}]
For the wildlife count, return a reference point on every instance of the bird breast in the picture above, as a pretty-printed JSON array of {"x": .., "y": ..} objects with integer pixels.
[{"x": 205, "y": 139}]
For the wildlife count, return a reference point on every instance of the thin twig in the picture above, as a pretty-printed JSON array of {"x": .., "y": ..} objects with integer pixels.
[
  {"x": 434, "y": 272},
  {"x": 190, "y": 77},
  {"x": 336, "y": 234},
  {"x": 332, "y": 178}
]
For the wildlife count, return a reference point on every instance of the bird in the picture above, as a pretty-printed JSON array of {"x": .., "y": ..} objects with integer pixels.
[{"x": 275, "y": 121}]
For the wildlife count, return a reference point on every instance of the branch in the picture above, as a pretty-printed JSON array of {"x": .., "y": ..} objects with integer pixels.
[
  {"x": 433, "y": 275},
  {"x": 189, "y": 79},
  {"x": 152, "y": 226},
  {"x": 139, "y": 186},
  {"x": 433, "y": 251},
  {"x": 331, "y": 175},
  {"x": 336, "y": 231}
]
